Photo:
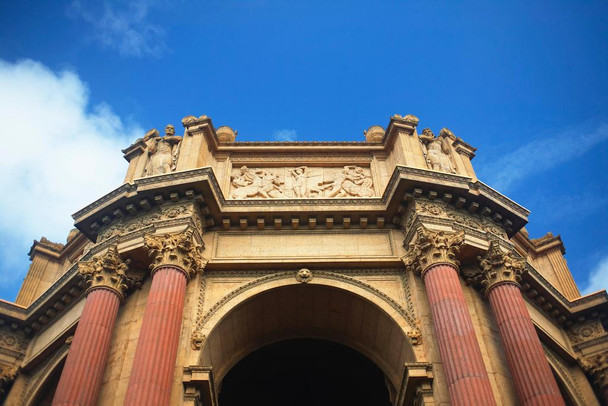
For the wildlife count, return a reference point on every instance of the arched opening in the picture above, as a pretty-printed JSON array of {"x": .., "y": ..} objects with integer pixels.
[
  {"x": 304, "y": 372},
  {"x": 45, "y": 393},
  {"x": 316, "y": 310}
]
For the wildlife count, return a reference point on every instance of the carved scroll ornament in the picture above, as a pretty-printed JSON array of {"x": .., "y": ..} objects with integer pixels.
[
  {"x": 108, "y": 271},
  {"x": 596, "y": 367},
  {"x": 433, "y": 248},
  {"x": 179, "y": 250}
]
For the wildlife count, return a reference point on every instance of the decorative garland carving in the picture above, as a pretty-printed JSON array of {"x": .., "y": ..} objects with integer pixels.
[
  {"x": 13, "y": 343},
  {"x": 197, "y": 338},
  {"x": 497, "y": 267},
  {"x": 433, "y": 248},
  {"x": 179, "y": 250},
  {"x": 109, "y": 272},
  {"x": 163, "y": 213},
  {"x": 580, "y": 333}
]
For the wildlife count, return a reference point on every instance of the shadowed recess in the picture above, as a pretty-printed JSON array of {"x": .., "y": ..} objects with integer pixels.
[{"x": 304, "y": 372}]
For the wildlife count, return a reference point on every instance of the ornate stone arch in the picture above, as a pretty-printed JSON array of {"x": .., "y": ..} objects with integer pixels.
[{"x": 228, "y": 314}]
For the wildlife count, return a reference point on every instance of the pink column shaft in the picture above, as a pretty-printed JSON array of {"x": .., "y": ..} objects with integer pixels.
[
  {"x": 152, "y": 373},
  {"x": 465, "y": 372},
  {"x": 84, "y": 367},
  {"x": 534, "y": 381}
]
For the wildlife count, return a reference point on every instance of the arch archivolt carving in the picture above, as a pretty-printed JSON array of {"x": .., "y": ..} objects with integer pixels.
[
  {"x": 564, "y": 375},
  {"x": 205, "y": 322},
  {"x": 36, "y": 379}
]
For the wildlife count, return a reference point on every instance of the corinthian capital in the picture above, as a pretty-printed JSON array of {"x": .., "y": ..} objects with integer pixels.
[
  {"x": 596, "y": 367},
  {"x": 108, "y": 271},
  {"x": 497, "y": 267},
  {"x": 179, "y": 250},
  {"x": 433, "y": 248}
]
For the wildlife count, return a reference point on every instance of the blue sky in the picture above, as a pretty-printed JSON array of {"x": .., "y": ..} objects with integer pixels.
[{"x": 524, "y": 82}]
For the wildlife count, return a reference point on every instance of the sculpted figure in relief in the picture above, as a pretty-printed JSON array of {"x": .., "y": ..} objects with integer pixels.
[
  {"x": 162, "y": 151},
  {"x": 351, "y": 181},
  {"x": 436, "y": 151},
  {"x": 301, "y": 182},
  {"x": 255, "y": 183}
]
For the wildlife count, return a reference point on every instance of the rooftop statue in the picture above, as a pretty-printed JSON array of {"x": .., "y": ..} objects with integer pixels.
[
  {"x": 162, "y": 151},
  {"x": 437, "y": 152}
]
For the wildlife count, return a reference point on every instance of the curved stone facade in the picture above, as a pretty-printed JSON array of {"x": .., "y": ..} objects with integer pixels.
[{"x": 214, "y": 248}]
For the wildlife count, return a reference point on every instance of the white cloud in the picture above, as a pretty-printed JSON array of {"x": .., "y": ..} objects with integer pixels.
[
  {"x": 285, "y": 135},
  {"x": 58, "y": 155},
  {"x": 124, "y": 27},
  {"x": 598, "y": 278},
  {"x": 540, "y": 155}
]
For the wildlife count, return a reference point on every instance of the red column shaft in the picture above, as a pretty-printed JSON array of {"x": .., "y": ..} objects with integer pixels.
[
  {"x": 84, "y": 367},
  {"x": 152, "y": 373},
  {"x": 534, "y": 381},
  {"x": 465, "y": 372}
]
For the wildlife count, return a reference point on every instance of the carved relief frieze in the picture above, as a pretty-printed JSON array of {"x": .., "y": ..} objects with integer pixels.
[
  {"x": 12, "y": 343},
  {"x": 166, "y": 214},
  {"x": 432, "y": 248},
  {"x": 301, "y": 182},
  {"x": 109, "y": 271},
  {"x": 180, "y": 250},
  {"x": 472, "y": 220}
]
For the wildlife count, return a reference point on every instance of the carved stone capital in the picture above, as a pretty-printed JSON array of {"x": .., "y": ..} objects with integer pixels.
[
  {"x": 108, "y": 271},
  {"x": 596, "y": 367},
  {"x": 498, "y": 267},
  {"x": 7, "y": 375},
  {"x": 433, "y": 248},
  {"x": 179, "y": 250}
]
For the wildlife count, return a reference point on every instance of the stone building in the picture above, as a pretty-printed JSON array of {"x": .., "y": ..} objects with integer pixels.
[{"x": 390, "y": 250}]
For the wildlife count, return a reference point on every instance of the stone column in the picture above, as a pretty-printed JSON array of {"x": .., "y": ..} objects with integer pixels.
[
  {"x": 434, "y": 256},
  {"x": 174, "y": 258},
  {"x": 500, "y": 276},
  {"x": 596, "y": 366},
  {"x": 84, "y": 367}
]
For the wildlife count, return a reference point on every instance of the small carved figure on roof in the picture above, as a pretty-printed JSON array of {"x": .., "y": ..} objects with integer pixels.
[
  {"x": 162, "y": 151},
  {"x": 436, "y": 152}
]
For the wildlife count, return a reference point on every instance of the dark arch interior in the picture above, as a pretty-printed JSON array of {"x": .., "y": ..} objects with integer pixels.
[{"x": 304, "y": 372}]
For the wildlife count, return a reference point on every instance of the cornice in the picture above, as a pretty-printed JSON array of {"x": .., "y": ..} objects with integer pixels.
[{"x": 200, "y": 184}]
